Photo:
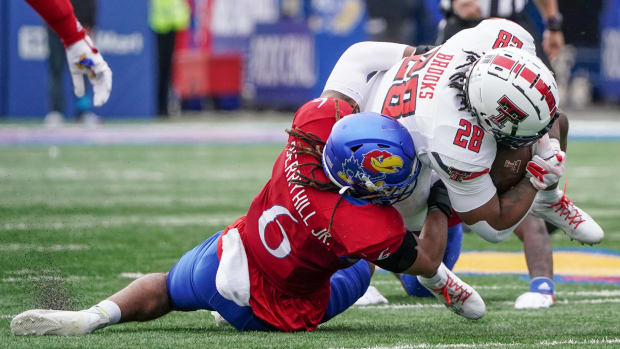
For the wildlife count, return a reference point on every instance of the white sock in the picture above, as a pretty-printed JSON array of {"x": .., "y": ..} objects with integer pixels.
[
  {"x": 110, "y": 309},
  {"x": 436, "y": 281},
  {"x": 550, "y": 196}
]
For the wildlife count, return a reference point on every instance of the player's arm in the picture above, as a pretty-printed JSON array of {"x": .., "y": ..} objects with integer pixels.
[
  {"x": 494, "y": 217},
  {"x": 82, "y": 56},
  {"x": 58, "y": 14},
  {"x": 499, "y": 216},
  {"x": 553, "y": 39},
  {"x": 422, "y": 255},
  {"x": 348, "y": 80}
]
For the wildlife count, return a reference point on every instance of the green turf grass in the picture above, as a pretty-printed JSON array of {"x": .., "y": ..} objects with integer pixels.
[{"x": 70, "y": 224}]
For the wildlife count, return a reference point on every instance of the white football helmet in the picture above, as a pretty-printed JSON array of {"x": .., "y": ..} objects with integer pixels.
[{"x": 514, "y": 96}]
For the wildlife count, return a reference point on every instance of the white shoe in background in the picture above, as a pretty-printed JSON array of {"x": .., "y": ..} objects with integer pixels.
[
  {"x": 534, "y": 300},
  {"x": 54, "y": 119},
  {"x": 371, "y": 297}
]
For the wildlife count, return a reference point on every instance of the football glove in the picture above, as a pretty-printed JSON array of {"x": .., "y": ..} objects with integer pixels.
[
  {"x": 546, "y": 172},
  {"x": 85, "y": 59}
]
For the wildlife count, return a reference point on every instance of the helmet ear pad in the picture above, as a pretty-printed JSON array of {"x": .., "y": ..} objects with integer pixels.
[
  {"x": 373, "y": 155},
  {"x": 513, "y": 94}
]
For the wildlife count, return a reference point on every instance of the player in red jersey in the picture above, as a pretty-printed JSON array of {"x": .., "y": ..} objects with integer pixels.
[
  {"x": 301, "y": 254},
  {"x": 83, "y": 58}
]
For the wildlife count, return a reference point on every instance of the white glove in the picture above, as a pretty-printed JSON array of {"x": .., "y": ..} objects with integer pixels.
[
  {"x": 546, "y": 172},
  {"x": 85, "y": 59}
]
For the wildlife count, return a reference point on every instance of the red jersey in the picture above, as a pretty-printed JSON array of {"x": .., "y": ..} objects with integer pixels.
[
  {"x": 291, "y": 254},
  {"x": 60, "y": 17}
]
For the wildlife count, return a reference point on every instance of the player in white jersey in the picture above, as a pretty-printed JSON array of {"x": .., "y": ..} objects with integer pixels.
[{"x": 451, "y": 138}]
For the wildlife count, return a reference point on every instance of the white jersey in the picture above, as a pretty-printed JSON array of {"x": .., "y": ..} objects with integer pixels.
[{"x": 449, "y": 140}]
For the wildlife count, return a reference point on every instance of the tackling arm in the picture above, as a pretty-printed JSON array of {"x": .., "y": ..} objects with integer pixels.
[
  {"x": 82, "y": 56},
  {"x": 496, "y": 219},
  {"x": 348, "y": 80},
  {"x": 59, "y": 16},
  {"x": 553, "y": 39}
]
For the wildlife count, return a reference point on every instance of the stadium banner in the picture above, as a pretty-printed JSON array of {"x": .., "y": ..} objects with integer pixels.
[
  {"x": 610, "y": 50},
  {"x": 4, "y": 52},
  {"x": 124, "y": 39},
  {"x": 281, "y": 65},
  {"x": 289, "y": 61}
]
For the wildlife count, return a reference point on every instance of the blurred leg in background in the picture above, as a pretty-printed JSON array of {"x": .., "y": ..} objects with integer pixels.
[
  {"x": 86, "y": 12},
  {"x": 165, "y": 50},
  {"x": 56, "y": 65}
]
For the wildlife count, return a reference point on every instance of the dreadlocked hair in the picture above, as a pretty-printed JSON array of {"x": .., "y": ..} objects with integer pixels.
[
  {"x": 459, "y": 79},
  {"x": 313, "y": 146}
]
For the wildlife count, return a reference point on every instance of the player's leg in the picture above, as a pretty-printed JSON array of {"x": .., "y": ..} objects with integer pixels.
[
  {"x": 539, "y": 257},
  {"x": 347, "y": 286},
  {"x": 190, "y": 285},
  {"x": 144, "y": 299},
  {"x": 555, "y": 207},
  {"x": 451, "y": 255}
]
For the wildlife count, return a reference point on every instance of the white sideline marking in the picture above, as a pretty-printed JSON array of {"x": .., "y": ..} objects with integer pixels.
[
  {"x": 6, "y": 316},
  {"x": 501, "y": 345},
  {"x": 38, "y": 248},
  {"x": 131, "y": 275}
]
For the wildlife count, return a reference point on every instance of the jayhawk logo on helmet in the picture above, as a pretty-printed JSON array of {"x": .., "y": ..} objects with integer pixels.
[{"x": 381, "y": 161}]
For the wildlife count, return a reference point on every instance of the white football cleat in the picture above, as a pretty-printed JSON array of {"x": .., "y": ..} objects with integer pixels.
[
  {"x": 371, "y": 297},
  {"x": 57, "y": 322},
  {"x": 575, "y": 222},
  {"x": 534, "y": 300},
  {"x": 219, "y": 319},
  {"x": 455, "y": 294}
]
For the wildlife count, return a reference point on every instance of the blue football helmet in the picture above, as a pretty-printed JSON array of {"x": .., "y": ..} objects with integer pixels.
[{"x": 374, "y": 155}]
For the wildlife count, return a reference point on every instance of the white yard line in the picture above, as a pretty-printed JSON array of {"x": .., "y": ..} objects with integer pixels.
[
  {"x": 131, "y": 275},
  {"x": 600, "y": 293},
  {"x": 502, "y": 303},
  {"x": 41, "y": 248},
  {"x": 400, "y": 306},
  {"x": 569, "y": 342},
  {"x": 44, "y": 277},
  {"x": 84, "y": 222}
]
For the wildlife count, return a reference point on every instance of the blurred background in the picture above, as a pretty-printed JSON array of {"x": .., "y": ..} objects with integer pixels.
[{"x": 261, "y": 54}]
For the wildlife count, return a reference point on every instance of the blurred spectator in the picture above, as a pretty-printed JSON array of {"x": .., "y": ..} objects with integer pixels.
[
  {"x": 166, "y": 18},
  {"x": 86, "y": 13},
  {"x": 463, "y": 14},
  {"x": 401, "y": 21}
]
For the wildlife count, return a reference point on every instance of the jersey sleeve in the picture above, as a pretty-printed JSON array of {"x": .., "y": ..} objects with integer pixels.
[
  {"x": 350, "y": 74},
  {"x": 58, "y": 14},
  {"x": 469, "y": 187}
]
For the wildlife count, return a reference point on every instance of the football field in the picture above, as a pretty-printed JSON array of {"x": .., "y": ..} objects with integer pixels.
[{"x": 78, "y": 222}]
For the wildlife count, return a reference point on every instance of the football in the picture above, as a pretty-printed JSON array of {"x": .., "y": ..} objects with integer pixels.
[{"x": 509, "y": 167}]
